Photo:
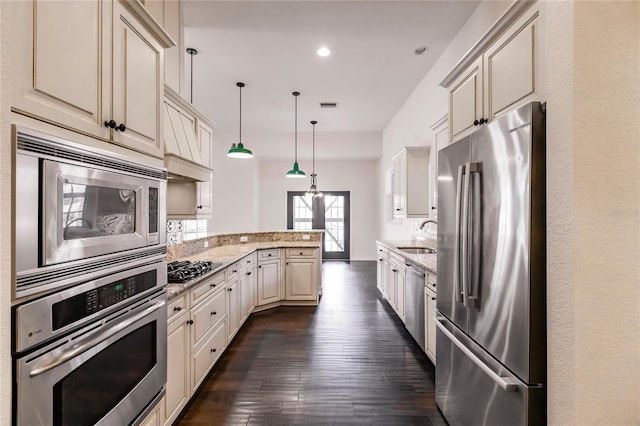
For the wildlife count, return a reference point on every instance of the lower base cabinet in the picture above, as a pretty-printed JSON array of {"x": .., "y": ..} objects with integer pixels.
[
  {"x": 430, "y": 323},
  {"x": 269, "y": 281},
  {"x": 154, "y": 418},
  {"x": 178, "y": 388},
  {"x": 301, "y": 274},
  {"x": 206, "y": 354}
]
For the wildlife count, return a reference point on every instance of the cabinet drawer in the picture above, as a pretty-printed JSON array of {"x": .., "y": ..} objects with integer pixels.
[
  {"x": 206, "y": 355},
  {"x": 431, "y": 281},
  {"x": 232, "y": 271},
  {"x": 268, "y": 254},
  {"x": 177, "y": 306},
  {"x": 247, "y": 261},
  {"x": 208, "y": 286},
  {"x": 206, "y": 314},
  {"x": 383, "y": 251},
  {"x": 301, "y": 252}
]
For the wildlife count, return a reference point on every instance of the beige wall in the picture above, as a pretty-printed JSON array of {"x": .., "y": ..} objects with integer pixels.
[{"x": 5, "y": 237}]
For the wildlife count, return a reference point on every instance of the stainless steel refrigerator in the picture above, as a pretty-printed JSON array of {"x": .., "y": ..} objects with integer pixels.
[{"x": 491, "y": 320}]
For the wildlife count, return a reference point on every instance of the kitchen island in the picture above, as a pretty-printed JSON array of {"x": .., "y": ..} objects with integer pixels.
[{"x": 252, "y": 272}]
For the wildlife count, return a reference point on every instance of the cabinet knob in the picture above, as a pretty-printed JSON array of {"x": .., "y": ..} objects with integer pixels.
[
  {"x": 269, "y": 254},
  {"x": 259, "y": 266},
  {"x": 214, "y": 313},
  {"x": 213, "y": 350},
  {"x": 177, "y": 309},
  {"x": 190, "y": 322},
  {"x": 212, "y": 285},
  {"x": 120, "y": 128},
  {"x": 234, "y": 270},
  {"x": 433, "y": 298},
  {"x": 398, "y": 210},
  {"x": 394, "y": 270},
  {"x": 110, "y": 123},
  {"x": 380, "y": 260},
  {"x": 476, "y": 122},
  {"x": 229, "y": 289},
  {"x": 248, "y": 273},
  {"x": 199, "y": 207},
  {"x": 249, "y": 261},
  {"x": 300, "y": 253},
  {"x": 483, "y": 120},
  {"x": 433, "y": 285}
]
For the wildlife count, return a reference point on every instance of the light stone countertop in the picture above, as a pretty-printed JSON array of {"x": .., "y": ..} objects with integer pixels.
[
  {"x": 428, "y": 261},
  {"x": 230, "y": 254}
]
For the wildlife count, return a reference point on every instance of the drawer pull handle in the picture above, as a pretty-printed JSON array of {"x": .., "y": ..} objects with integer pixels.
[
  {"x": 234, "y": 271},
  {"x": 190, "y": 322},
  {"x": 213, "y": 350},
  {"x": 213, "y": 285},
  {"x": 177, "y": 309},
  {"x": 214, "y": 313},
  {"x": 269, "y": 254},
  {"x": 248, "y": 261}
]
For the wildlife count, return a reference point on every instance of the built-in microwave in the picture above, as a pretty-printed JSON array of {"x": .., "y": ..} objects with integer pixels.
[{"x": 80, "y": 211}]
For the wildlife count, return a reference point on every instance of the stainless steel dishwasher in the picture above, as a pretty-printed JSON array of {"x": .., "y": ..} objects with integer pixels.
[{"x": 414, "y": 302}]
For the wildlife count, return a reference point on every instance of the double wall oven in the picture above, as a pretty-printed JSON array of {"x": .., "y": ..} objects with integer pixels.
[{"x": 89, "y": 314}]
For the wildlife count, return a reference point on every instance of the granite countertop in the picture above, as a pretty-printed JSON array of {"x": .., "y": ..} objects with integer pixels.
[
  {"x": 227, "y": 255},
  {"x": 428, "y": 261}
]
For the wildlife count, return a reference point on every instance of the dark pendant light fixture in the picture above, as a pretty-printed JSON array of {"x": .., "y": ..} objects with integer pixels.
[
  {"x": 296, "y": 172},
  {"x": 192, "y": 52},
  {"x": 239, "y": 151},
  {"x": 313, "y": 191}
]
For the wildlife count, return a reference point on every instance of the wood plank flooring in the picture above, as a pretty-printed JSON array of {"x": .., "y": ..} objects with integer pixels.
[{"x": 348, "y": 361}]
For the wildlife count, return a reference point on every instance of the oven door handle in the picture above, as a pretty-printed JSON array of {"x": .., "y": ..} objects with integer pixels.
[{"x": 83, "y": 345}]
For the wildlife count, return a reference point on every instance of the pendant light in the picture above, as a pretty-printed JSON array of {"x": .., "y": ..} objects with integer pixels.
[
  {"x": 192, "y": 52},
  {"x": 313, "y": 191},
  {"x": 239, "y": 151},
  {"x": 296, "y": 172}
]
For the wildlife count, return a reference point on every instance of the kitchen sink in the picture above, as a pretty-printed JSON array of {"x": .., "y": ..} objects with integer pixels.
[{"x": 417, "y": 250}]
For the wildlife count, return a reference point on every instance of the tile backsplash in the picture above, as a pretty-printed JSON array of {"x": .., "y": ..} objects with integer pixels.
[{"x": 174, "y": 232}]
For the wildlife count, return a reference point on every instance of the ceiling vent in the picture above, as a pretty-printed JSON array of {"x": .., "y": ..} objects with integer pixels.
[{"x": 328, "y": 105}]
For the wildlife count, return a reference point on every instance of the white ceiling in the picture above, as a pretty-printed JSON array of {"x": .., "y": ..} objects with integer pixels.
[{"x": 271, "y": 47}]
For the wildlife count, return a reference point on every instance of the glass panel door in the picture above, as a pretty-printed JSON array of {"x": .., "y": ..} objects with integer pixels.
[{"x": 330, "y": 212}]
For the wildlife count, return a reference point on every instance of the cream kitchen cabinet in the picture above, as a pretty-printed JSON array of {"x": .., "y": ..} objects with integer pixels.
[
  {"x": 397, "y": 280},
  {"x": 247, "y": 285},
  {"x": 440, "y": 131},
  {"x": 383, "y": 271},
  {"x": 269, "y": 277},
  {"x": 411, "y": 183},
  {"x": 167, "y": 14},
  {"x": 194, "y": 321},
  {"x": 233, "y": 306},
  {"x": 430, "y": 323},
  {"x": 301, "y": 274},
  {"x": 154, "y": 418},
  {"x": 93, "y": 67},
  {"x": 503, "y": 71}
]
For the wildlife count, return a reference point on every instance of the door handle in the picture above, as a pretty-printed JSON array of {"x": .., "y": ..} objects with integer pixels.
[
  {"x": 456, "y": 250},
  {"x": 60, "y": 357},
  {"x": 507, "y": 384},
  {"x": 467, "y": 298}
]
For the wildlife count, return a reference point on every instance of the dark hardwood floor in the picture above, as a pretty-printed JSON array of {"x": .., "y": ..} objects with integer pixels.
[{"x": 348, "y": 361}]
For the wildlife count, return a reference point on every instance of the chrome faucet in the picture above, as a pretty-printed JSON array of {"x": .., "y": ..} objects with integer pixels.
[{"x": 427, "y": 221}]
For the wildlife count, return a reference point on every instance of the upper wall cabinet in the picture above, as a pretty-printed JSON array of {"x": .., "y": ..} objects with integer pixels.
[
  {"x": 167, "y": 14},
  {"x": 411, "y": 183},
  {"x": 501, "y": 72},
  {"x": 94, "y": 67}
]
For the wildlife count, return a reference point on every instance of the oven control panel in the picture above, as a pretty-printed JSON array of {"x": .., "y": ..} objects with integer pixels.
[{"x": 89, "y": 302}]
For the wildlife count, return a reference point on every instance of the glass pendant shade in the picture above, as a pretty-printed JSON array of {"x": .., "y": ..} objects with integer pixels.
[
  {"x": 239, "y": 151},
  {"x": 313, "y": 190},
  {"x": 295, "y": 172}
]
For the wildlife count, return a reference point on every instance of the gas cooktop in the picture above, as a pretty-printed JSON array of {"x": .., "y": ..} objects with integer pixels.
[{"x": 183, "y": 271}]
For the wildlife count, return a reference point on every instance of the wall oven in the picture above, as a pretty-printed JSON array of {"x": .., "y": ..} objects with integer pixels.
[
  {"x": 94, "y": 353},
  {"x": 80, "y": 211}
]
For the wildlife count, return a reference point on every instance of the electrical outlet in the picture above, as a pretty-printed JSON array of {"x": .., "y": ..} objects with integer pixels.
[
  {"x": 306, "y": 237},
  {"x": 206, "y": 244},
  {"x": 244, "y": 239}
]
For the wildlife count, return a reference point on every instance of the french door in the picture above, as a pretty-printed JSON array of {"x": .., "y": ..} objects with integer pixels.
[{"x": 330, "y": 212}]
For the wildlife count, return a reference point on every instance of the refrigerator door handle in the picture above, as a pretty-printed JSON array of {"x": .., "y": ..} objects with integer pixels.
[
  {"x": 457, "y": 288},
  {"x": 507, "y": 384},
  {"x": 465, "y": 233},
  {"x": 470, "y": 300}
]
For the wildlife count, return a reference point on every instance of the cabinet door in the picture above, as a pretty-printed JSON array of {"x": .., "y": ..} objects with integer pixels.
[
  {"x": 510, "y": 67},
  {"x": 465, "y": 101},
  {"x": 204, "y": 356},
  {"x": 399, "y": 185},
  {"x": 178, "y": 355},
  {"x": 268, "y": 282},
  {"x": 379, "y": 274},
  {"x": 206, "y": 314},
  {"x": 51, "y": 36},
  {"x": 301, "y": 280},
  {"x": 244, "y": 284},
  {"x": 233, "y": 307},
  {"x": 385, "y": 278},
  {"x": 430, "y": 326},
  {"x": 138, "y": 84},
  {"x": 205, "y": 196},
  {"x": 400, "y": 290}
]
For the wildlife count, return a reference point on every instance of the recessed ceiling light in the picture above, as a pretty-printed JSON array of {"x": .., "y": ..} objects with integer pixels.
[
  {"x": 420, "y": 50},
  {"x": 323, "y": 51}
]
